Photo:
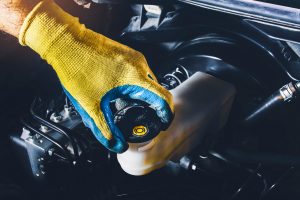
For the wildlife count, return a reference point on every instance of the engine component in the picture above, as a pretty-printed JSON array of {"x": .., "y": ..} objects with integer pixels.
[
  {"x": 202, "y": 105},
  {"x": 47, "y": 140},
  {"x": 285, "y": 94},
  {"x": 136, "y": 119},
  {"x": 43, "y": 143}
]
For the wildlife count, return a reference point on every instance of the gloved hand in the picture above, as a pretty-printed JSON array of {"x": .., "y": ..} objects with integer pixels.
[{"x": 93, "y": 70}]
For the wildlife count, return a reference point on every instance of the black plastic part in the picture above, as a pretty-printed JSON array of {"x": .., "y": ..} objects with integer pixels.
[
  {"x": 186, "y": 23},
  {"x": 137, "y": 121},
  {"x": 246, "y": 157},
  {"x": 273, "y": 102},
  {"x": 271, "y": 13},
  {"x": 135, "y": 115}
]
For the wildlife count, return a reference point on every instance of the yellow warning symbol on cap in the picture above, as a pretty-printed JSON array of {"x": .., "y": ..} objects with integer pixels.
[{"x": 140, "y": 130}]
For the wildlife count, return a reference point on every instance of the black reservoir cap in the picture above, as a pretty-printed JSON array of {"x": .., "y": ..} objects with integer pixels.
[{"x": 138, "y": 122}]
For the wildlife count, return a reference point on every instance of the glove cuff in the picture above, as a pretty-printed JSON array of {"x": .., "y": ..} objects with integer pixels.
[{"x": 53, "y": 34}]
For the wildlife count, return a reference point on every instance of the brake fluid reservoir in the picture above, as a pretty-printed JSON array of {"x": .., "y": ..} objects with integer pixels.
[{"x": 202, "y": 104}]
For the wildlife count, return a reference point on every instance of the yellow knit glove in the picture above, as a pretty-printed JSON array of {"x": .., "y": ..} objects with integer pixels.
[{"x": 93, "y": 70}]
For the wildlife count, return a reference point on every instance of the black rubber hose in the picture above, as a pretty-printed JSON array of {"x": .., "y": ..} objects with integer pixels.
[{"x": 238, "y": 156}]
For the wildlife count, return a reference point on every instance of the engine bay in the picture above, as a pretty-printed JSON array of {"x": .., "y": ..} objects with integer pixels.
[{"x": 48, "y": 153}]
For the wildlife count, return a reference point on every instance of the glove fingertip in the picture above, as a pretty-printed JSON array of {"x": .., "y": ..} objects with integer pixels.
[
  {"x": 117, "y": 145},
  {"x": 165, "y": 113},
  {"x": 113, "y": 140}
]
